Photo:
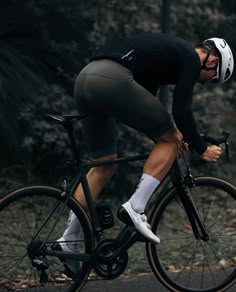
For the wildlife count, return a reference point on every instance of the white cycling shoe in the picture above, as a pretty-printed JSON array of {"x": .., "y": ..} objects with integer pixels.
[
  {"x": 138, "y": 220},
  {"x": 71, "y": 266}
]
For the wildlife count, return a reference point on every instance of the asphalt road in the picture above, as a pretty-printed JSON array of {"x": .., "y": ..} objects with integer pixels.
[{"x": 139, "y": 283}]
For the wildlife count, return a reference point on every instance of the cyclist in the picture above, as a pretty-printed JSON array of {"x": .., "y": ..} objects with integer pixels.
[{"x": 120, "y": 84}]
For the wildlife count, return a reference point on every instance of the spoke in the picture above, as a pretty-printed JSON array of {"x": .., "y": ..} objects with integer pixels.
[
  {"x": 203, "y": 206},
  {"x": 18, "y": 226},
  {"x": 220, "y": 219},
  {"x": 11, "y": 244},
  {"x": 211, "y": 200},
  {"x": 34, "y": 211},
  {"x": 179, "y": 248},
  {"x": 208, "y": 264},
  {"x": 221, "y": 235},
  {"x": 223, "y": 243},
  {"x": 20, "y": 220},
  {"x": 15, "y": 265},
  {"x": 193, "y": 258},
  {"x": 176, "y": 219},
  {"x": 203, "y": 262},
  {"x": 37, "y": 215},
  {"x": 186, "y": 265},
  {"x": 27, "y": 222},
  {"x": 191, "y": 263},
  {"x": 24, "y": 282},
  {"x": 219, "y": 260},
  {"x": 220, "y": 209},
  {"x": 176, "y": 238},
  {"x": 10, "y": 256},
  {"x": 12, "y": 261},
  {"x": 10, "y": 236}
]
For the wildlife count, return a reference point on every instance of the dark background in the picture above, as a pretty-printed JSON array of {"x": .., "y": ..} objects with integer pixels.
[{"x": 43, "y": 46}]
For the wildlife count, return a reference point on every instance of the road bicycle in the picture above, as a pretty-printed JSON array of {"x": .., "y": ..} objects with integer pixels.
[{"x": 195, "y": 218}]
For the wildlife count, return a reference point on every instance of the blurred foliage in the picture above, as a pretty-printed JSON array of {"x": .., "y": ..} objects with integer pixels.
[{"x": 44, "y": 44}]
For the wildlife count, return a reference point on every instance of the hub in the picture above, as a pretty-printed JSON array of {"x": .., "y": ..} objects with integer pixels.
[
  {"x": 34, "y": 249},
  {"x": 38, "y": 255}
]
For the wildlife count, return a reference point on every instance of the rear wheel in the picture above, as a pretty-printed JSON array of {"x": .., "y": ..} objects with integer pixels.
[
  {"x": 22, "y": 266},
  {"x": 182, "y": 262}
]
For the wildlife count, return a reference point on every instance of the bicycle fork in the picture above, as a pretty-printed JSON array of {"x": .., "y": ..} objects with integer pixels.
[{"x": 195, "y": 220}]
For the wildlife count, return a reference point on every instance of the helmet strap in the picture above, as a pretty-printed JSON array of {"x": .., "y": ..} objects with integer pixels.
[{"x": 204, "y": 64}]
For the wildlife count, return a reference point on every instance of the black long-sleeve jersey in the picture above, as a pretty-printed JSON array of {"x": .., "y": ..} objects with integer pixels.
[{"x": 157, "y": 59}]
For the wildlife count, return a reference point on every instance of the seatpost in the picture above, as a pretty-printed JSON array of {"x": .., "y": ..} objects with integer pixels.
[{"x": 75, "y": 150}]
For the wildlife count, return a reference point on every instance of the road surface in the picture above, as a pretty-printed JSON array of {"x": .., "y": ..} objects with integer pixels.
[{"x": 139, "y": 283}]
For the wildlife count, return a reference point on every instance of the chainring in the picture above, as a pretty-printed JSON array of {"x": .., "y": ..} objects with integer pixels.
[{"x": 105, "y": 266}]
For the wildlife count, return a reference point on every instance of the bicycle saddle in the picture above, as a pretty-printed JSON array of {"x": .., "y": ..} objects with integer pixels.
[{"x": 66, "y": 120}]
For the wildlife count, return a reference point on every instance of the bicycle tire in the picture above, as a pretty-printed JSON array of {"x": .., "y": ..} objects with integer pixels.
[
  {"x": 21, "y": 212},
  {"x": 183, "y": 263}
]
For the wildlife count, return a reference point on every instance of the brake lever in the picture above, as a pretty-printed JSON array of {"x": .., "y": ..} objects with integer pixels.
[
  {"x": 227, "y": 151},
  {"x": 226, "y": 134},
  {"x": 219, "y": 141}
]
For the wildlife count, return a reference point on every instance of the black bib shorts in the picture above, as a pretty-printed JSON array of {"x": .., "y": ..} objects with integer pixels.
[{"x": 107, "y": 92}]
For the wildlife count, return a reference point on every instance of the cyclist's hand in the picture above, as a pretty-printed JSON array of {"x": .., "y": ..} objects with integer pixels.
[{"x": 212, "y": 153}]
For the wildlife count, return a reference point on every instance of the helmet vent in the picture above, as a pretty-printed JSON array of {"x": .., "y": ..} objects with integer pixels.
[{"x": 227, "y": 74}]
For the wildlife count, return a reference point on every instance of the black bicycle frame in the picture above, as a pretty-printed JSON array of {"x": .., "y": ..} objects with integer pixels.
[
  {"x": 127, "y": 237},
  {"x": 177, "y": 180},
  {"x": 176, "y": 177},
  {"x": 83, "y": 180},
  {"x": 188, "y": 202}
]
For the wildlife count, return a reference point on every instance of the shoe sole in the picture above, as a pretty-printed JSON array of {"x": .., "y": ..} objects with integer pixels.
[{"x": 123, "y": 215}]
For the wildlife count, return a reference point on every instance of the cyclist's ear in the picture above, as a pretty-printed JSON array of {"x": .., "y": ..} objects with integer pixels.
[{"x": 213, "y": 61}]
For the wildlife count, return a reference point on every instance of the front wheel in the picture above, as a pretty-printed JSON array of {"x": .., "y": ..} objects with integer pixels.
[
  {"x": 182, "y": 262},
  {"x": 31, "y": 221}
]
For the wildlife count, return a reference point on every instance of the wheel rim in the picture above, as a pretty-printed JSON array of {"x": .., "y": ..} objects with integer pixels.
[
  {"x": 21, "y": 266},
  {"x": 185, "y": 263}
]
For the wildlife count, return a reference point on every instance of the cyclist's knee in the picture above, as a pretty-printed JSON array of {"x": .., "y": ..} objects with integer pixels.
[
  {"x": 172, "y": 137},
  {"x": 107, "y": 170}
]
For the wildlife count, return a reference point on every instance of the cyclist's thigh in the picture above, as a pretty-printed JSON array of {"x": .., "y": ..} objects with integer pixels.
[
  {"x": 100, "y": 133},
  {"x": 108, "y": 90},
  {"x": 141, "y": 110}
]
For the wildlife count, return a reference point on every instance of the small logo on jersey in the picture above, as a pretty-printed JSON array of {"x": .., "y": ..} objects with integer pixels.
[{"x": 127, "y": 56}]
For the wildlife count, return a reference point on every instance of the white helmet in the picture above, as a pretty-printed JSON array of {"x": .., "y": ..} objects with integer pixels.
[{"x": 226, "y": 64}]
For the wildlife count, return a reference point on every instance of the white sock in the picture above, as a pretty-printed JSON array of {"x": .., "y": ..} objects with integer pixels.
[
  {"x": 72, "y": 231},
  {"x": 145, "y": 189}
]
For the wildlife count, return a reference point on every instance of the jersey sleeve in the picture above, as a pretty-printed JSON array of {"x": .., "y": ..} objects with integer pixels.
[{"x": 182, "y": 108}]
